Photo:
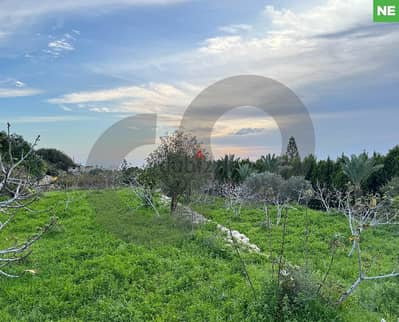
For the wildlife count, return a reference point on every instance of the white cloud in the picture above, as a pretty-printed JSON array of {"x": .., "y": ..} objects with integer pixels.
[
  {"x": 233, "y": 29},
  {"x": 154, "y": 97},
  {"x": 219, "y": 45},
  {"x": 308, "y": 50},
  {"x": 18, "y": 92},
  {"x": 305, "y": 50},
  {"x": 62, "y": 45},
  {"x": 300, "y": 49},
  {"x": 252, "y": 152},
  {"x": 322, "y": 44},
  {"x": 46, "y": 119},
  {"x": 248, "y": 131},
  {"x": 19, "y": 84},
  {"x": 69, "y": 36},
  {"x": 100, "y": 109},
  {"x": 330, "y": 17},
  {"x": 14, "y": 14},
  {"x": 65, "y": 108}
]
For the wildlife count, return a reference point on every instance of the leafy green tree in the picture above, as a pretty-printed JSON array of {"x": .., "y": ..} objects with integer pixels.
[
  {"x": 33, "y": 164},
  {"x": 268, "y": 163},
  {"x": 290, "y": 163},
  {"x": 377, "y": 179},
  {"x": 296, "y": 167},
  {"x": 244, "y": 171},
  {"x": 339, "y": 178},
  {"x": 359, "y": 169},
  {"x": 180, "y": 165},
  {"x": 272, "y": 188},
  {"x": 309, "y": 168},
  {"x": 284, "y": 167},
  {"x": 391, "y": 163},
  {"x": 299, "y": 189},
  {"x": 325, "y": 172},
  {"x": 226, "y": 169},
  {"x": 391, "y": 189},
  {"x": 129, "y": 174},
  {"x": 56, "y": 160},
  {"x": 146, "y": 179},
  {"x": 292, "y": 150}
]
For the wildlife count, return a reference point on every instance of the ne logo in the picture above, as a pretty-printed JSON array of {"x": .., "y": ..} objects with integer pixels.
[{"x": 386, "y": 11}]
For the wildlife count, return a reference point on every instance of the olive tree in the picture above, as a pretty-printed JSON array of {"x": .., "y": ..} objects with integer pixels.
[
  {"x": 299, "y": 189},
  {"x": 271, "y": 188},
  {"x": 179, "y": 164}
]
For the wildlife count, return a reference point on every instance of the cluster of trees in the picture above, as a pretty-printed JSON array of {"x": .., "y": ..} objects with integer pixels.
[
  {"x": 55, "y": 161},
  {"x": 368, "y": 173},
  {"x": 179, "y": 164},
  {"x": 33, "y": 164},
  {"x": 270, "y": 188},
  {"x": 39, "y": 162}
]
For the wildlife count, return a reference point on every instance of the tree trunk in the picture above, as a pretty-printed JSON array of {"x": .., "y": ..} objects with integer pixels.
[
  {"x": 173, "y": 203},
  {"x": 278, "y": 215}
]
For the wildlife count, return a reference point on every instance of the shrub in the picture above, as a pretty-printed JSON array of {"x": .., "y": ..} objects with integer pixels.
[
  {"x": 391, "y": 189},
  {"x": 295, "y": 299}
]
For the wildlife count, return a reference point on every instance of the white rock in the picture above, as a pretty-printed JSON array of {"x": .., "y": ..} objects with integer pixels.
[{"x": 235, "y": 234}]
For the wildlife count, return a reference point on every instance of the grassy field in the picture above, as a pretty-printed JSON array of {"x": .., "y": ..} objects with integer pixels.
[
  {"x": 109, "y": 259},
  {"x": 308, "y": 244}
]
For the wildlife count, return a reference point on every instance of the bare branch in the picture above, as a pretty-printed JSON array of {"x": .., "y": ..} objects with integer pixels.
[
  {"x": 17, "y": 193},
  {"x": 363, "y": 213}
]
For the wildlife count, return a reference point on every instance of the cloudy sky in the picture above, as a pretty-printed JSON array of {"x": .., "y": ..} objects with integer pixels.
[{"x": 71, "y": 69}]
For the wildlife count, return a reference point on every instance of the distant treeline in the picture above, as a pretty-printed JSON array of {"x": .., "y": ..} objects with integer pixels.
[
  {"x": 327, "y": 173},
  {"x": 38, "y": 164},
  {"x": 229, "y": 169}
]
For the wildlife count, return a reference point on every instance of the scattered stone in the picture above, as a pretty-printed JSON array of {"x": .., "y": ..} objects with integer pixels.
[{"x": 231, "y": 236}]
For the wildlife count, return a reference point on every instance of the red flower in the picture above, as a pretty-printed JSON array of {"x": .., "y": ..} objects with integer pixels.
[{"x": 199, "y": 155}]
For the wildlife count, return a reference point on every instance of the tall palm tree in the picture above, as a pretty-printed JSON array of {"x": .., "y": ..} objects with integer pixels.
[
  {"x": 244, "y": 171},
  {"x": 226, "y": 168},
  {"x": 269, "y": 163},
  {"x": 359, "y": 169}
]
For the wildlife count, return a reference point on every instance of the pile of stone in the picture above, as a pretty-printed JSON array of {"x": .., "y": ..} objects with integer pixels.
[{"x": 234, "y": 236}]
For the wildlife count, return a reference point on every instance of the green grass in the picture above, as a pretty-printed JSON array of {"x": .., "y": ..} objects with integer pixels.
[
  {"x": 122, "y": 215},
  {"x": 380, "y": 254},
  {"x": 100, "y": 265},
  {"x": 109, "y": 259}
]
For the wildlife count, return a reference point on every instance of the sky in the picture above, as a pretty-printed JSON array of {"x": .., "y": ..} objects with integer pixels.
[{"x": 69, "y": 70}]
